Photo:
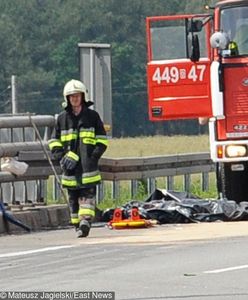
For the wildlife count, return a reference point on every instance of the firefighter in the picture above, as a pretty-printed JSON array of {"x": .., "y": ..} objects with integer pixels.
[
  {"x": 80, "y": 140},
  {"x": 241, "y": 39},
  {"x": 233, "y": 47}
]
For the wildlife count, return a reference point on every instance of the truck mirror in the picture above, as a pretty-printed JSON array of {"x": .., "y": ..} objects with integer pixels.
[
  {"x": 195, "y": 26},
  {"x": 195, "y": 48}
]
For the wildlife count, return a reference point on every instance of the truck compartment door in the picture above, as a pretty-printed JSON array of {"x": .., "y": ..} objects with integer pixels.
[
  {"x": 236, "y": 103},
  {"x": 178, "y": 68}
]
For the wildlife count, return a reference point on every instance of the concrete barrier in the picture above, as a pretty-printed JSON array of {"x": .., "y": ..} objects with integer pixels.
[{"x": 38, "y": 218}]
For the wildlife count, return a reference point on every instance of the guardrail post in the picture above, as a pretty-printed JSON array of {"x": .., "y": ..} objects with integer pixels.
[
  {"x": 170, "y": 182},
  {"x": 133, "y": 187},
  {"x": 48, "y": 133},
  {"x": 7, "y": 193},
  {"x": 13, "y": 196},
  {"x": 1, "y": 193},
  {"x": 41, "y": 190},
  {"x": 151, "y": 185},
  {"x": 99, "y": 192},
  {"x": 56, "y": 189},
  {"x": 115, "y": 189},
  {"x": 25, "y": 192},
  {"x": 187, "y": 181},
  {"x": 205, "y": 181}
]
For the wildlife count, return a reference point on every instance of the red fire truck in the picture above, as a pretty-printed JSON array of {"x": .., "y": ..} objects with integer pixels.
[{"x": 198, "y": 68}]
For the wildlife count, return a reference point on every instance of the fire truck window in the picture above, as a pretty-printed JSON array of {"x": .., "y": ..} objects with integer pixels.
[
  {"x": 234, "y": 21},
  {"x": 241, "y": 38},
  {"x": 170, "y": 40}
]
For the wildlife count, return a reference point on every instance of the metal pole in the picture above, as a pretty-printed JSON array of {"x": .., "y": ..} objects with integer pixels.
[
  {"x": 49, "y": 159},
  {"x": 13, "y": 94},
  {"x": 92, "y": 75}
]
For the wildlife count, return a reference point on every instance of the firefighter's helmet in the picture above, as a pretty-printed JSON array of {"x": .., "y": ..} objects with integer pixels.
[
  {"x": 233, "y": 47},
  {"x": 73, "y": 87}
]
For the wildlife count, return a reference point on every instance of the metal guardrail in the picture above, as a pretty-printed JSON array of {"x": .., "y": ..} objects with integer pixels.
[
  {"x": 155, "y": 166},
  {"x": 17, "y": 134},
  {"x": 150, "y": 168},
  {"x": 123, "y": 169},
  {"x": 113, "y": 170}
]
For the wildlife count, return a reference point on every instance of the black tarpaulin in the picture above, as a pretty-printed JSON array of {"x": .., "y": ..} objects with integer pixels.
[{"x": 181, "y": 207}]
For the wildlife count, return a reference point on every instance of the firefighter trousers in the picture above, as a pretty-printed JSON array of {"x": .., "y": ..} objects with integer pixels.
[{"x": 82, "y": 204}]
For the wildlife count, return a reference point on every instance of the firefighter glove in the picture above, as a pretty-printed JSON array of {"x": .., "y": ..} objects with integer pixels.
[{"x": 69, "y": 161}]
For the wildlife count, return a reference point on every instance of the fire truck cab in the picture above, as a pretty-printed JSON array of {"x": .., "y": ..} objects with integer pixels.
[{"x": 198, "y": 68}]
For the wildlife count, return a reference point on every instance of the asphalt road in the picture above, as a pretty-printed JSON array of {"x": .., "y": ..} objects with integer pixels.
[{"x": 190, "y": 261}]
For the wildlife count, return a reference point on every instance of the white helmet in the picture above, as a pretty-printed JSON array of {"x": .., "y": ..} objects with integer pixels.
[{"x": 73, "y": 87}]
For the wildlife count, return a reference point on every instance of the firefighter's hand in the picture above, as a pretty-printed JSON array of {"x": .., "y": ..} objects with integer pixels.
[
  {"x": 57, "y": 154},
  {"x": 69, "y": 161}
]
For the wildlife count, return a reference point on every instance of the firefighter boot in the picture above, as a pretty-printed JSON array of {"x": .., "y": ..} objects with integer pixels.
[
  {"x": 86, "y": 214},
  {"x": 84, "y": 228}
]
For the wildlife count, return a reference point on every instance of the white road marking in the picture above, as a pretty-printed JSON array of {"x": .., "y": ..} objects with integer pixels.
[
  {"x": 20, "y": 253},
  {"x": 226, "y": 269}
]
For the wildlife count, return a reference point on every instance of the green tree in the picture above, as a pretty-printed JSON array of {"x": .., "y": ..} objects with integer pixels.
[{"x": 38, "y": 44}]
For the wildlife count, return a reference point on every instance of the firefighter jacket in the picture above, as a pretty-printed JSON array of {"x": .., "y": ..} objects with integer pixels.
[{"x": 83, "y": 135}]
